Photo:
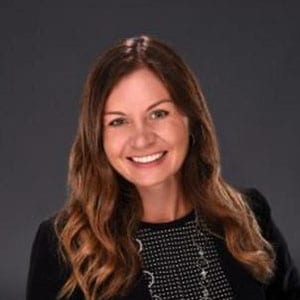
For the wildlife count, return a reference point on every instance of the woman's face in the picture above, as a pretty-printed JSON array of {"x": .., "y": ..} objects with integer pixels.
[{"x": 145, "y": 136}]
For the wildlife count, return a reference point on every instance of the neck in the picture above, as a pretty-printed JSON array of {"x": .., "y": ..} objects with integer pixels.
[{"x": 163, "y": 203}]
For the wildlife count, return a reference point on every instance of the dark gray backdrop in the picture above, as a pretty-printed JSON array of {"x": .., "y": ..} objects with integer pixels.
[{"x": 245, "y": 54}]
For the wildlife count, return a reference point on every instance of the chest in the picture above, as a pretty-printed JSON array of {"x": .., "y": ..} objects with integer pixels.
[
  {"x": 244, "y": 287},
  {"x": 185, "y": 264}
]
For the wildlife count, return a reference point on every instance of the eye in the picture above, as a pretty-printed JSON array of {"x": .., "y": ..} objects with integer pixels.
[
  {"x": 117, "y": 122},
  {"x": 158, "y": 114}
]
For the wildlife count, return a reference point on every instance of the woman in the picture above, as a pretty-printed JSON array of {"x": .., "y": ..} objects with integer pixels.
[{"x": 149, "y": 215}]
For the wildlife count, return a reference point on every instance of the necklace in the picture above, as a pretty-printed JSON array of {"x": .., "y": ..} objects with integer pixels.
[
  {"x": 148, "y": 274},
  {"x": 202, "y": 262},
  {"x": 198, "y": 240}
]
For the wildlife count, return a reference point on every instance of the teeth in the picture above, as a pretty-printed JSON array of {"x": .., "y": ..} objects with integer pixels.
[{"x": 148, "y": 158}]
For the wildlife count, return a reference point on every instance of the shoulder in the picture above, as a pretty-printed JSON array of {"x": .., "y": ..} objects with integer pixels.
[
  {"x": 45, "y": 246},
  {"x": 261, "y": 209},
  {"x": 47, "y": 270},
  {"x": 286, "y": 282},
  {"x": 46, "y": 239},
  {"x": 259, "y": 206},
  {"x": 46, "y": 230},
  {"x": 256, "y": 200}
]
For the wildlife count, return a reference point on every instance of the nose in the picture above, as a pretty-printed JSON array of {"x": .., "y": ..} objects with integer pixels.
[{"x": 142, "y": 137}]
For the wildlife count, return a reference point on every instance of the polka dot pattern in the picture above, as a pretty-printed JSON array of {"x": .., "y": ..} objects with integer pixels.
[{"x": 173, "y": 263}]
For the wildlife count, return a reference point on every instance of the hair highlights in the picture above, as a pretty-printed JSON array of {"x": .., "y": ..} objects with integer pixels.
[{"x": 97, "y": 224}]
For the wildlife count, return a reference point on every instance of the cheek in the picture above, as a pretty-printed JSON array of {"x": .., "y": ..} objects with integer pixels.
[
  {"x": 113, "y": 143},
  {"x": 177, "y": 132}
]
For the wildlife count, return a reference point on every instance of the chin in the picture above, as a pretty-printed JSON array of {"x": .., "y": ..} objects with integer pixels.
[{"x": 152, "y": 183}]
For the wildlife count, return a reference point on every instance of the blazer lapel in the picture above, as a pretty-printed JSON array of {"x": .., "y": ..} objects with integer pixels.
[
  {"x": 139, "y": 291},
  {"x": 244, "y": 285}
]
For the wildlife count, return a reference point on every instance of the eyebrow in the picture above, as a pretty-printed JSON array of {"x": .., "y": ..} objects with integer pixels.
[{"x": 149, "y": 108}]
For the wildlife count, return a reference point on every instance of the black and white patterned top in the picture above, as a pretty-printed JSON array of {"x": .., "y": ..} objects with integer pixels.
[{"x": 180, "y": 261}]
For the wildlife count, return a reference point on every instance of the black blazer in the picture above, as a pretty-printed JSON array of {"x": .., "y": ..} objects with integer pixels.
[{"x": 47, "y": 273}]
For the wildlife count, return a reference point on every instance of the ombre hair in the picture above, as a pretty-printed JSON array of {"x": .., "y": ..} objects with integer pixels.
[{"x": 97, "y": 225}]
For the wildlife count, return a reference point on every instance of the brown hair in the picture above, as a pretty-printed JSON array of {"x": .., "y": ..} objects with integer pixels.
[{"x": 98, "y": 223}]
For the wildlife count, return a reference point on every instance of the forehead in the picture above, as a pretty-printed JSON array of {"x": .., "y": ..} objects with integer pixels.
[{"x": 141, "y": 87}]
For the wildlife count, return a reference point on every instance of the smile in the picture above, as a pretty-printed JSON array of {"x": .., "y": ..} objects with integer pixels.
[{"x": 148, "y": 158}]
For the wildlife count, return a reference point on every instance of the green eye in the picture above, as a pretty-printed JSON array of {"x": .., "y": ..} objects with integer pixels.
[
  {"x": 117, "y": 122},
  {"x": 158, "y": 114}
]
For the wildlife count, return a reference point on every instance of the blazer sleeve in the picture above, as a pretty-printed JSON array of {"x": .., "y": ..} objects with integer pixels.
[
  {"x": 285, "y": 283},
  {"x": 47, "y": 273}
]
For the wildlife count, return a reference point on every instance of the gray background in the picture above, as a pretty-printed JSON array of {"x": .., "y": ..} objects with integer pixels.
[{"x": 245, "y": 54}]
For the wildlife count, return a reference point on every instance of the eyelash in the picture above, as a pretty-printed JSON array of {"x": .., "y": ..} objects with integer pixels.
[
  {"x": 165, "y": 113},
  {"x": 161, "y": 114},
  {"x": 113, "y": 122}
]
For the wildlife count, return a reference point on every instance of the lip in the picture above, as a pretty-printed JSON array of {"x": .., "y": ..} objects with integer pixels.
[
  {"x": 149, "y": 154},
  {"x": 149, "y": 164}
]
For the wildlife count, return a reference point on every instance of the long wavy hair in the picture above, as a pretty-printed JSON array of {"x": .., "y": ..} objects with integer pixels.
[{"x": 97, "y": 225}]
